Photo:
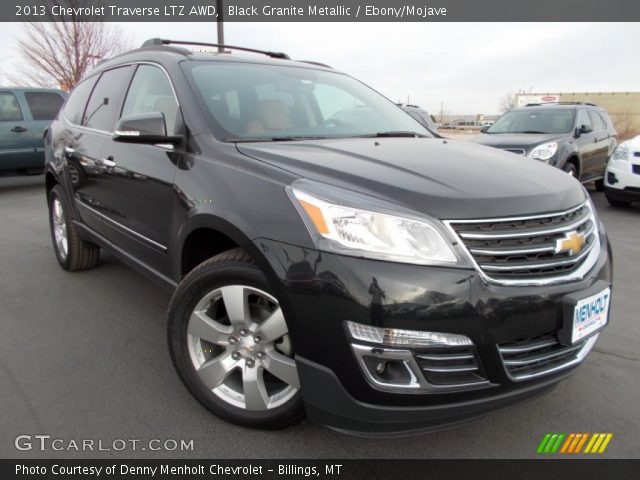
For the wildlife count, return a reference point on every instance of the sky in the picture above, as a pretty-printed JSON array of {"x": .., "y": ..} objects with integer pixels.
[{"x": 463, "y": 68}]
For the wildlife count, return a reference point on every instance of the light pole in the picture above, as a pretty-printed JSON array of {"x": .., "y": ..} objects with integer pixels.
[{"x": 219, "y": 8}]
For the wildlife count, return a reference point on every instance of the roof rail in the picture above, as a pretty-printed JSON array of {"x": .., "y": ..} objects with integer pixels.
[
  {"x": 561, "y": 103},
  {"x": 311, "y": 62},
  {"x": 163, "y": 41}
]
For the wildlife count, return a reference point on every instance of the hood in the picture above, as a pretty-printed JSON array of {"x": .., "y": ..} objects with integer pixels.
[
  {"x": 514, "y": 140},
  {"x": 633, "y": 144},
  {"x": 442, "y": 178}
]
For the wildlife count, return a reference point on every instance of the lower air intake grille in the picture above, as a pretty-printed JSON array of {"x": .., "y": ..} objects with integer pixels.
[
  {"x": 537, "y": 356},
  {"x": 450, "y": 366}
]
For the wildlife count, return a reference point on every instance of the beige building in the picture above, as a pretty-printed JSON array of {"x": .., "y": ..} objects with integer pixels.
[{"x": 623, "y": 107}]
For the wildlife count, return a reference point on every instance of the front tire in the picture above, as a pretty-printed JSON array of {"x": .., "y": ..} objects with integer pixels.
[
  {"x": 570, "y": 169},
  {"x": 230, "y": 345},
  {"x": 599, "y": 184},
  {"x": 73, "y": 253},
  {"x": 617, "y": 203}
]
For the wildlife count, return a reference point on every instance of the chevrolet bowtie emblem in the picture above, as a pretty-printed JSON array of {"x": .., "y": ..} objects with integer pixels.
[{"x": 572, "y": 243}]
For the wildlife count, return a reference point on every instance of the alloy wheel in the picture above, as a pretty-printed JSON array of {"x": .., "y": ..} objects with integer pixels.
[
  {"x": 240, "y": 348},
  {"x": 59, "y": 228}
]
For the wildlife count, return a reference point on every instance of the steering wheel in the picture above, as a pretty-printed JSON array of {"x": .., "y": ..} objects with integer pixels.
[{"x": 333, "y": 121}]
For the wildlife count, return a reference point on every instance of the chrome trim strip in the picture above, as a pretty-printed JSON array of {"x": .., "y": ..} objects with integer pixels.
[
  {"x": 125, "y": 64},
  {"x": 445, "y": 357},
  {"x": 528, "y": 348},
  {"x": 527, "y": 266},
  {"x": 530, "y": 233},
  {"x": 579, "y": 357},
  {"x": 497, "y": 253},
  {"x": 449, "y": 369},
  {"x": 515, "y": 219},
  {"x": 543, "y": 357},
  {"x": 120, "y": 226},
  {"x": 405, "y": 356},
  {"x": 578, "y": 274}
]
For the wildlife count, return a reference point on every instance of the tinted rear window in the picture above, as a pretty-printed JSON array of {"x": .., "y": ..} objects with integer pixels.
[
  {"x": 44, "y": 105},
  {"x": 104, "y": 105},
  {"x": 74, "y": 108}
]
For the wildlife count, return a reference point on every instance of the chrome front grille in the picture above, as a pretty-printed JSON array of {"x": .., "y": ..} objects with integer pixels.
[
  {"x": 539, "y": 356},
  {"x": 533, "y": 249}
]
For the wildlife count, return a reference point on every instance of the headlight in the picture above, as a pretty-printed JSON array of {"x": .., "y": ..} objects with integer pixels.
[
  {"x": 621, "y": 153},
  {"x": 360, "y": 232},
  {"x": 544, "y": 151}
]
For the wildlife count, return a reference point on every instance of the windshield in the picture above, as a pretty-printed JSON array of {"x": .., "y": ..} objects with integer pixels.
[
  {"x": 535, "y": 121},
  {"x": 255, "y": 102}
]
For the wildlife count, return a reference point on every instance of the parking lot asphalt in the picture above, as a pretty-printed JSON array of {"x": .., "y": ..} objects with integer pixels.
[{"x": 84, "y": 356}]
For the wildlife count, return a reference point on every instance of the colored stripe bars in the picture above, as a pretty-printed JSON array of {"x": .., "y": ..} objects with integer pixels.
[{"x": 574, "y": 443}]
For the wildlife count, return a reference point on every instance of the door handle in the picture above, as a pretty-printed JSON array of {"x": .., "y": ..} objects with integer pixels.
[
  {"x": 69, "y": 150},
  {"x": 18, "y": 129},
  {"x": 108, "y": 162}
]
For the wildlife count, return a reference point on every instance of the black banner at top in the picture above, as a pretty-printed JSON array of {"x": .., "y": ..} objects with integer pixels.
[{"x": 321, "y": 10}]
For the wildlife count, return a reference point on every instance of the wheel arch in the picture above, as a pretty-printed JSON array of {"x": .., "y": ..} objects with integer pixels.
[
  {"x": 574, "y": 159},
  {"x": 50, "y": 181},
  {"x": 206, "y": 235}
]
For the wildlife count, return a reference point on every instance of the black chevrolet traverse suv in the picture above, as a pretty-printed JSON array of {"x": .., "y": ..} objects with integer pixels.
[
  {"x": 364, "y": 275},
  {"x": 578, "y": 138}
]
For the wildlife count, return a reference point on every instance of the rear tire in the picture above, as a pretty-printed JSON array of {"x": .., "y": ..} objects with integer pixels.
[
  {"x": 73, "y": 253},
  {"x": 229, "y": 344}
]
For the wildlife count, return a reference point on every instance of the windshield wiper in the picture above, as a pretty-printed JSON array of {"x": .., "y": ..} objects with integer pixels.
[
  {"x": 399, "y": 133},
  {"x": 273, "y": 139},
  {"x": 530, "y": 131}
]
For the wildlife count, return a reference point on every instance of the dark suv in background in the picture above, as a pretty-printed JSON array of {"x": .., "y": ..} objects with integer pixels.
[
  {"x": 363, "y": 274},
  {"x": 579, "y": 138}
]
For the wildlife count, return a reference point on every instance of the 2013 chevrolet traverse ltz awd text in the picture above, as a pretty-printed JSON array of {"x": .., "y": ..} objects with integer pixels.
[{"x": 352, "y": 270}]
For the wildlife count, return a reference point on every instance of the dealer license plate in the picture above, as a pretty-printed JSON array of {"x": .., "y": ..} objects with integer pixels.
[{"x": 590, "y": 314}]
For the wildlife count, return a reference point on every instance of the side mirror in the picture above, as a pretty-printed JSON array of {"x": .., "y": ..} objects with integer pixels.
[
  {"x": 484, "y": 129},
  {"x": 584, "y": 129},
  {"x": 147, "y": 128}
]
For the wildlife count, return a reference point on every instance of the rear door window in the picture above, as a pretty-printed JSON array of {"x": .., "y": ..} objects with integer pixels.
[
  {"x": 104, "y": 105},
  {"x": 596, "y": 120},
  {"x": 43, "y": 105},
  {"x": 74, "y": 107},
  {"x": 9, "y": 108}
]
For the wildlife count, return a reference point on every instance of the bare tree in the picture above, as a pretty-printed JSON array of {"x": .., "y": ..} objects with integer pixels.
[
  {"x": 508, "y": 102},
  {"x": 60, "y": 53},
  {"x": 626, "y": 123}
]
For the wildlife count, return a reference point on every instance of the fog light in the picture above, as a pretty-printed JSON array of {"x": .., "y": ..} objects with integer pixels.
[
  {"x": 611, "y": 178},
  {"x": 395, "y": 337}
]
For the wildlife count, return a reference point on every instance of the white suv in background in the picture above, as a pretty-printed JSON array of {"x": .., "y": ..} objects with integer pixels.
[{"x": 622, "y": 176}]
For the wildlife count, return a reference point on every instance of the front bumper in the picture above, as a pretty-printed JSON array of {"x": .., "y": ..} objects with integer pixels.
[
  {"x": 622, "y": 180},
  {"x": 319, "y": 292}
]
